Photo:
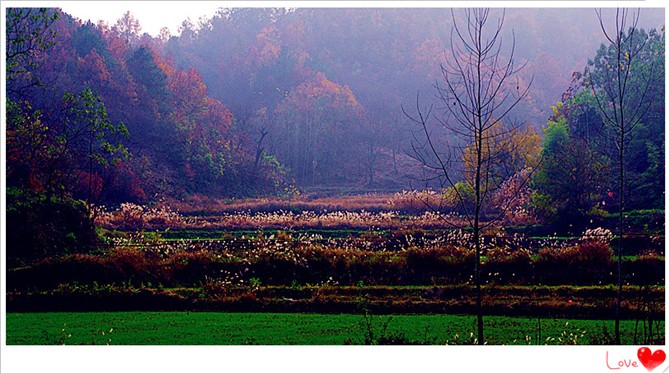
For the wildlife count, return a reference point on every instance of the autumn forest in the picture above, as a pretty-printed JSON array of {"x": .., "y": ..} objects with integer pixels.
[{"x": 361, "y": 161}]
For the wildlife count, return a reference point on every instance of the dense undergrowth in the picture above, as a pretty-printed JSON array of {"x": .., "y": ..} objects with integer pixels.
[
  {"x": 328, "y": 261},
  {"x": 396, "y": 258}
]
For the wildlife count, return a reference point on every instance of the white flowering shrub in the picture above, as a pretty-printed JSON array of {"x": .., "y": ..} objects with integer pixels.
[{"x": 598, "y": 234}]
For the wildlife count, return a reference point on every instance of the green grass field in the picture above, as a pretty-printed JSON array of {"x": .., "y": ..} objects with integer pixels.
[{"x": 212, "y": 328}]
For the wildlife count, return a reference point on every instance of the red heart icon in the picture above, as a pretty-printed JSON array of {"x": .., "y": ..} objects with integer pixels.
[{"x": 650, "y": 360}]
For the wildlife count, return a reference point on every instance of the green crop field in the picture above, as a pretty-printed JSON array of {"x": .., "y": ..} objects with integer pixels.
[{"x": 213, "y": 328}]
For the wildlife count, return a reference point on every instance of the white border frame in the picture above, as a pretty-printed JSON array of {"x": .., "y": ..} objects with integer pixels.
[{"x": 328, "y": 359}]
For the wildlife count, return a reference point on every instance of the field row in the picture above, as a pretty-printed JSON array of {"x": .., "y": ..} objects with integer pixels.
[
  {"x": 640, "y": 303},
  {"x": 400, "y": 211},
  {"x": 285, "y": 261},
  {"x": 212, "y": 328}
]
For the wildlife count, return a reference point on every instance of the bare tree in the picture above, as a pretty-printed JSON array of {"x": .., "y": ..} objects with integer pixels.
[
  {"x": 476, "y": 95},
  {"x": 622, "y": 98}
]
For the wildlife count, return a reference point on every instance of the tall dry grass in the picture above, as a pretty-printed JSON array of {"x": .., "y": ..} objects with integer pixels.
[
  {"x": 406, "y": 202},
  {"x": 135, "y": 217}
]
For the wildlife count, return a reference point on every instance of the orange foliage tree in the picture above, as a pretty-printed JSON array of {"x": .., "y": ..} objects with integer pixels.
[{"x": 314, "y": 126}]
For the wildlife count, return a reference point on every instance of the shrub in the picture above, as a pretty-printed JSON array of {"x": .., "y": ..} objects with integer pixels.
[
  {"x": 320, "y": 262},
  {"x": 377, "y": 268},
  {"x": 508, "y": 265},
  {"x": 134, "y": 264},
  {"x": 445, "y": 261},
  {"x": 588, "y": 261},
  {"x": 187, "y": 267},
  {"x": 38, "y": 227},
  {"x": 404, "y": 238},
  {"x": 594, "y": 253},
  {"x": 82, "y": 268},
  {"x": 217, "y": 289},
  {"x": 544, "y": 206},
  {"x": 284, "y": 237},
  {"x": 647, "y": 269}
]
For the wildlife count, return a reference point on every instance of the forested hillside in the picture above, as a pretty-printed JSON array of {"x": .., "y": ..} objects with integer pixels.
[{"x": 266, "y": 101}]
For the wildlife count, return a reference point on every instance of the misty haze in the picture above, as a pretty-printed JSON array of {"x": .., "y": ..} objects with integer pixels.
[{"x": 338, "y": 176}]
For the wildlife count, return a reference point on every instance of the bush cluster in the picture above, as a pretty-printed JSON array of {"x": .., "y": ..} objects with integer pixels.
[
  {"x": 285, "y": 261},
  {"x": 39, "y": 226},
  {"x": 587, "y": 261}
]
